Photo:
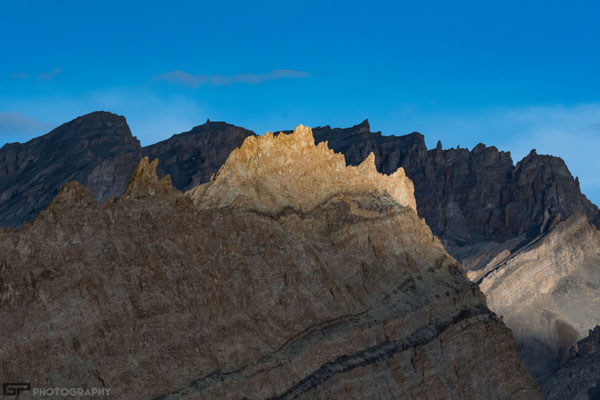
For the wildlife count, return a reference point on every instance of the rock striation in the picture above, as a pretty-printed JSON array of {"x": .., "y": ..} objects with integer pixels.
[
  {"x": 547, "y": 292},
  {"x": 217, "y": 294}
]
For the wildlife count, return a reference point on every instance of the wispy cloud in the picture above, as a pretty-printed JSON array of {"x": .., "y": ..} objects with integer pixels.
[
  {"x": 42, "y": 76},
  {"x": 20, "y": 75},
  {"x": 16, "y": 125},
  {"x": 194, "y": 81},
  {"x": 49, "y": 75}
]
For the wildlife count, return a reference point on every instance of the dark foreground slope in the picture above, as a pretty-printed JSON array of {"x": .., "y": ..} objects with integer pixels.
[{"x": 245, "y": 289}]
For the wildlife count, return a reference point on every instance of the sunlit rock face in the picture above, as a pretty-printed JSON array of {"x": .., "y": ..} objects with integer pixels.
[
  {"x": 236, "y": 292},
  {"x": 548, "y": 292},
  {"x": 270, "y": 173}
]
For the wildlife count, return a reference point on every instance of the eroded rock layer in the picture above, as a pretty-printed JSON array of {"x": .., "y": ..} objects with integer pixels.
[
  {"x": 548, "y": 292},
  {"x": 156, "y": 294}
]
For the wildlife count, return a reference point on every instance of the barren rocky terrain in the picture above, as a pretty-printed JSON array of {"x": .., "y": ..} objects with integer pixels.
[
  {"x": 525, "y": 233},
  {"x": 243, "y": 289},
  {"x": 578, "y": 377},
  {"x": 548, "y": 292}
]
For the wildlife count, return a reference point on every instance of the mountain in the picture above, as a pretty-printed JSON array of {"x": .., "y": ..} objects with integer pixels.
[
  {"x": 288, "y": 275},
  {"x": 97, "y": 150},
  {"x": 488, "y": 213},
  {"x": 525, "y": 233},
  {"x": 471, "y": 197}
]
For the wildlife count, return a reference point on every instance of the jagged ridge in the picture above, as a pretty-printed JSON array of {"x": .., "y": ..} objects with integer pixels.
[{"x": 269, "y": 173}]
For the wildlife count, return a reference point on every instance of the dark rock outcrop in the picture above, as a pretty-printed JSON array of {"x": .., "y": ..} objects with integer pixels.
[
  {"x": 469, "y": 197},
  {"x": 96, "y": 150},
  {"x": 192, "y": 157},
  {"x": 579, "y": 375}
]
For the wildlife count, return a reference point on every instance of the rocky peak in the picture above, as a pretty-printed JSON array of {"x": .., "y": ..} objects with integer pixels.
[
  {"x": 98, "y": 120},
  {"x": 144, "y": 181},
  {"x": 72, "y": 194},
  {"x": 363, "y": 127},
  {"x": 96, "y": 150},
  {"x": 271, "y": 172}
]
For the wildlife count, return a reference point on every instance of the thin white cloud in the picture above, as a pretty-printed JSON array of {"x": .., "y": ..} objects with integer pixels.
[
  {"x": 20, "y": 75},
  {"x": 194, "y": 81},
  {"x": 16, "y": 125},
  {"x": 42, "y": 76},
  {"x": 48, "y": 76}
]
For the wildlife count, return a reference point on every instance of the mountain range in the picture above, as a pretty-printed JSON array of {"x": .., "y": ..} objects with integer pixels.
[{"x": 524, "y": 234}]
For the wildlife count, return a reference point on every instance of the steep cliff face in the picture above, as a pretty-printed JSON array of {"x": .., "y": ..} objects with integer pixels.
[
  {"x": 97, "y": 150},
  {"x": 579, "y": 375},
  {"x": 192, "y": 157},
  {"x": 547, "y": 292},
  {"x": 471, "y": 197},
  {"x": 219, "y": 294}
]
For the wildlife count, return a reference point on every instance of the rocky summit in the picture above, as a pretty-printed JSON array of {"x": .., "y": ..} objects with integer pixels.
[
  {"x": 96, "y": 150},
  {"x": 254, "y": 285}
]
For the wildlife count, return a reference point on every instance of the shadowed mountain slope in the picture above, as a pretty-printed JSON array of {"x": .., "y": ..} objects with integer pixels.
[
  {"x": 97, "y": 150},
  {"x": 579, "y": 375}
]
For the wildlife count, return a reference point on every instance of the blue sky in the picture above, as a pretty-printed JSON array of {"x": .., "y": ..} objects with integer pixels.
[{"x": 517, "y": 75}]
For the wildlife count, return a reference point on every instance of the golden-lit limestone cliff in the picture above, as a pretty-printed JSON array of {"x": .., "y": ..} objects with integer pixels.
[
  {"x": 269, "y": 173},
  {"x": 249, "y": 292}
]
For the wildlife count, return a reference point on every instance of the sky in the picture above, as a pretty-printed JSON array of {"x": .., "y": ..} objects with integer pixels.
[{"x": 514, "y": 74}]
